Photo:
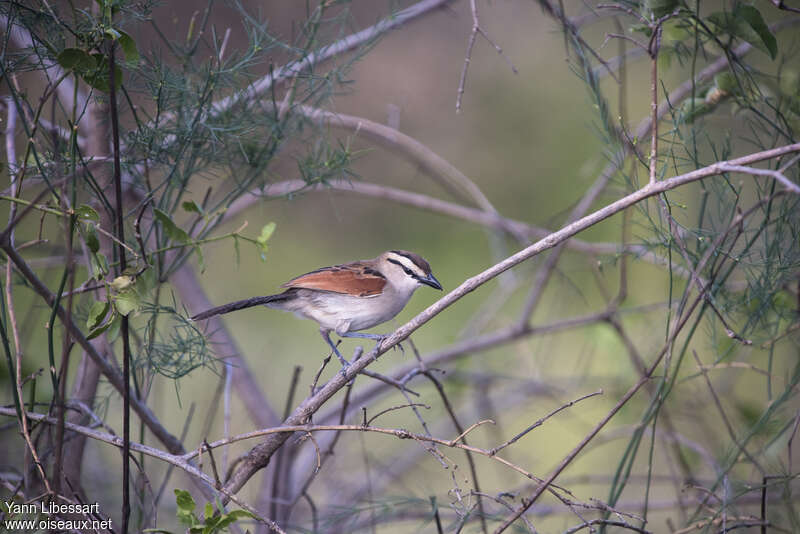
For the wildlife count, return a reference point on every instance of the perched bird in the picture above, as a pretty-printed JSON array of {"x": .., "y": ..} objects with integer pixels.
[{"x": 347, "y": 298}]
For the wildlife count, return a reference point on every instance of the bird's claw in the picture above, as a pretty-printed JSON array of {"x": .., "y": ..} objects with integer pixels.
[{"x": 396, "y": 345}]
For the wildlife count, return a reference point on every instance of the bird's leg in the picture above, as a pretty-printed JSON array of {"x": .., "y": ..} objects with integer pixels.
[
  {"x": 326, "y": 336},
  {"x": 378, "y": 338},
  {"x": 364, "y": 335}
]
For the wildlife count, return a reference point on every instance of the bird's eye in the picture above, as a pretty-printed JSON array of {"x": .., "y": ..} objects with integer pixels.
[{"x": 405, "y": 269}]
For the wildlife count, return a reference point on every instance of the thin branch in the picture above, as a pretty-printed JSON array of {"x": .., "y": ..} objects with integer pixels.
[
  {"x": 541, "y": 421},
  {"x": 261, "y": 86},
  {"x": 653, "y": 109},
  {"x": 520, "y": 230},
  {"x": 776, "y": 175},
  {"x": 473, "y": 34},
  {"x": 123, "y": 264},
  {"x": 393, "y": 408},
  {"x": 16, "y": 186}
]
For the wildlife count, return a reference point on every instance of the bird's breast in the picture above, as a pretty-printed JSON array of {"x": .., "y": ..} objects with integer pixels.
[{"x": 345, "y": 313}]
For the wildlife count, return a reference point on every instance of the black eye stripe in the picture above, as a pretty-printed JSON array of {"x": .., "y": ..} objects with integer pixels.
[{"x": 405, "y": 269}]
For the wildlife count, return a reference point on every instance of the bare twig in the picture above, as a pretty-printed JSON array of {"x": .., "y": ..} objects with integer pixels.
[
  {"x": 473, "y": 34},
  {"x": 123, "y": 264},
  {"x": 393, "y": 408},
  {"x": 776, "y": 175},
  {"x": 350, "y": 42},
  {"x": 541, "y": 421}
]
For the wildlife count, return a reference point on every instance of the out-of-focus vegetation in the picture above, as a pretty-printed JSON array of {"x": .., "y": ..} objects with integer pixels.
[{"x": 676, "y": 283}]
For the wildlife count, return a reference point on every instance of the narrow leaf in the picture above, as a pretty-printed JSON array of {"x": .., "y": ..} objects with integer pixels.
[
  {"x": 96, "y": 314},
  {"x": 113, "y": 322},
  {"x": 753, "y": 17},
  {"x": 129, "y": 48},
  {"x": 91, "y": 239},
  {"x": 191, "y": 207},
  {"x": 170, "y": 228},
  {"x": 266, "y": 233}
]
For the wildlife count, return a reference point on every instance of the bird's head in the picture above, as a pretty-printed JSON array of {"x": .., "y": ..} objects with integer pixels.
[{"x": 407, "y": 270}]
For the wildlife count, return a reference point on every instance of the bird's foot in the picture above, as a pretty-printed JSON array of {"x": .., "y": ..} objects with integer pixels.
[
  {"x": 396, "y": 346},
  {"x": 343, "y": 372},
  {"x": 345, "y": 363}
]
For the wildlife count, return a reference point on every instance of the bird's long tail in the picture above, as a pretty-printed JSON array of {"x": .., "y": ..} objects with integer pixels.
[{"x": 238, "y": 305}]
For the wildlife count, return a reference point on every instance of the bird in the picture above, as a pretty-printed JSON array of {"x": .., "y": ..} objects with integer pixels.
[{"x": 347, "y": 298}]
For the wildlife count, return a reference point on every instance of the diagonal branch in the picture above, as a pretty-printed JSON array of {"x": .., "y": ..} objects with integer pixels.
[{"x": 346, "y": 44}]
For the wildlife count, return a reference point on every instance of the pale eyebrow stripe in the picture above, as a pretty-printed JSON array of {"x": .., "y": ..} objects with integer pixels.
[{"x": 411, "y": 259}]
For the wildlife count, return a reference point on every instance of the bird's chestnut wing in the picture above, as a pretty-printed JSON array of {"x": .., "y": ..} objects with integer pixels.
[{"x": 357, "y": 279}]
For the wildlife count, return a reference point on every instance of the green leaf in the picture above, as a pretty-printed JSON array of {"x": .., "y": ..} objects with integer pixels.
[
  {"x": 191, "y": 207},
  {"x": 212, "y": 523},
  {"x": 128, "y": 301},
  {"x": 113, "y": 328},
  {"x": 96, "y": 314},
  {"x": 266, "y": 233},
  {"x": 87, "y": 213},
  {"x": 146, "y": 281},
  {"x": 754, "y": 19},
  {"x": 208, "y": 511},
  {"x": 746, "y": 23},
  {"x": 184, "y": 500},
  {"x": 170, "y": 228},
  {"x": 91, "y": 239},
  {"x": 99, "y": 265},
  {"x": 129, "y": 48},
  {"x": 186, "y": 505},
  {"x": 201, "y": 263},
  {"x": 238, "y": 514},
  {"x": 76, "y": 59},
  {"x": 113, "y": 322},
  {"x": 659, "y": 8},
  {"x": 232, "y": 516}
]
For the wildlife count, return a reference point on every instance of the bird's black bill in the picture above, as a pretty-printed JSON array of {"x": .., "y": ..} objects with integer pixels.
[{"x": 430, "y": 280}]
